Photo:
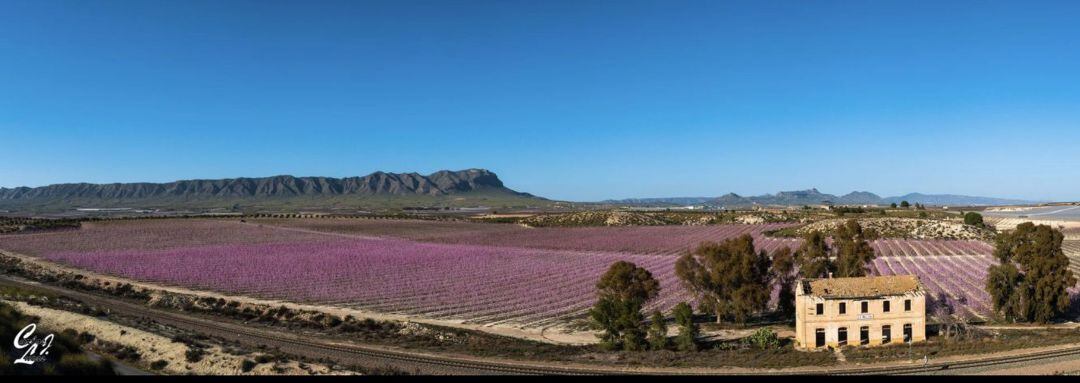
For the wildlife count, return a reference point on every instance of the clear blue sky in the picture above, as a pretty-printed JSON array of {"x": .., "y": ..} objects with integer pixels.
[{"x": 577, "y": 100}]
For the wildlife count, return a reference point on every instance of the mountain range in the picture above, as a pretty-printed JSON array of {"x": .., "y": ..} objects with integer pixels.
[
  {"x": 815, "y": 197},
  {"x": 462, "y": 188},
  {"x": 441, "y": 185}
]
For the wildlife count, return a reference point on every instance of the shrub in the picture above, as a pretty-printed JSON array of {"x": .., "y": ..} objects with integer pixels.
[
  {"x": 158, "y": 364},
  {"x": 194, "y": 354},
  {"x": 973, "y": 218},
  {"x": 764, "y": 338},
  {"x": 247, "y": 365}
]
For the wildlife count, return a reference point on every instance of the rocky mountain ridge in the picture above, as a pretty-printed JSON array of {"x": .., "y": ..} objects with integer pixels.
[{"x": 441, "y": 183}]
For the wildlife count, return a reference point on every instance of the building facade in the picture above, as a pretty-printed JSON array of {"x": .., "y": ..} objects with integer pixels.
[{"x": 869, "y": 311}]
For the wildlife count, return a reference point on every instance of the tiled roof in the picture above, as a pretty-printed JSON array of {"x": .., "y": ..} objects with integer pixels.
[{"x": 861, "y": 286}]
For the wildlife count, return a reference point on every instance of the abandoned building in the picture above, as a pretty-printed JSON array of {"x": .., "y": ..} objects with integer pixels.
[{"x": 870, "y": 311}]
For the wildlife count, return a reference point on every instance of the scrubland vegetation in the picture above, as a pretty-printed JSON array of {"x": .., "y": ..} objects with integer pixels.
[{"x": 64, "y": 355}]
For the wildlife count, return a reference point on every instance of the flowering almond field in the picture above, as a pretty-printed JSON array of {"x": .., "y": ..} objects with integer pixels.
[
  {"x": 480, "y": 273},
  {"x": 660, "y": 240},
  {"x": 961, "y": 279},
  {"x": 633, "y": 239}
]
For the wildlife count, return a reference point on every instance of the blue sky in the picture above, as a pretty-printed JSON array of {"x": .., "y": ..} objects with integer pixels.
[{"x": 576, "y": 100}]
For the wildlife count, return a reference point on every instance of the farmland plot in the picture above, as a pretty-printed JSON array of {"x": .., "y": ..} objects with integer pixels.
[
  {"x": 659, "y": 240},
  {"x": 960, "y": 278},
  {"x": 150, "y": 234},
  {"x": 482, "y": 284},
  {"x": 481, "y": 274}
]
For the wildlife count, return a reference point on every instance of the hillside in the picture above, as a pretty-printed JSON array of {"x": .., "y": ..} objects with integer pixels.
[
  {"x": 442, "y": 188},
  {"x": 815, "y": 197}
]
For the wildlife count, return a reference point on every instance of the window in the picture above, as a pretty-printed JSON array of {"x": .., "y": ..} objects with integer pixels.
[
  {"x": 841, "y": 336},
  {"x": 819, "y": 339},
  {"x": 907, "y": 305},
  {"x": 843, "y": 308},
  {"x": 886, "y": 334},
  {"x": 864, "y": 335},
  {"x": 865, "y": 307},
  {"x": 820, "y": 308},
  {"x": 907, "y": 332},
  {"x": 885, "y": 306}
]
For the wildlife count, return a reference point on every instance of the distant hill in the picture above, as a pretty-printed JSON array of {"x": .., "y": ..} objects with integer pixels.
[
  {"x": 381, "y": 187},
  {"x": 815, "y": 197}
]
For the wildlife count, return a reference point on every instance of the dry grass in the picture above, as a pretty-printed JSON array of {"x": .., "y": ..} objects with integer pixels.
[{"x": 161, "y": 353}]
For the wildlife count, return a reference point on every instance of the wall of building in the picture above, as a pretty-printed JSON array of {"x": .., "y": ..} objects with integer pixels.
[{"x": 807, "y": 321}]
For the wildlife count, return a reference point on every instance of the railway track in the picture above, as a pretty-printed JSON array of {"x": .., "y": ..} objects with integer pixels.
[
  {"x": 960, "y": 366},
  {"x": 439, "y": 364}
]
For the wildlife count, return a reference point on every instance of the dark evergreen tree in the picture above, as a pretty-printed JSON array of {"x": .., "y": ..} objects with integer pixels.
[
  {"x": 658, "y": 339},
  {"x": 729, "y": 278},
  {"x": 621, "y": 293},
  {"x": 783, "y": 274},
  {"x": 813, "y": 257},
  {"x": 1030, "y": 283},
  {"x": 688, "y": 330},
  {"x": 853, "y": 252}
]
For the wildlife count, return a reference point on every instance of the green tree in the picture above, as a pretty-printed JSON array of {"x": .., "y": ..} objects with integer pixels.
[
  {"x": 893, "y": 205},
  {"x": 1030, "y": 283},
  {"x": 688, "y": 330},
  {"x": 853, "y": 252},
  {"x": 1002, "y": 283},
  {"x": 658, "y": 339},
  {"x": 973, "y": 218},
  {"x": 813, "y": 256},
  {"x": 729, "y": 278},
  {"x": 783, "y": 274},
  {"x": 905, "y": 204},
  {"x": 621, "y": 293},
  {"x": 626, "y": 281}
]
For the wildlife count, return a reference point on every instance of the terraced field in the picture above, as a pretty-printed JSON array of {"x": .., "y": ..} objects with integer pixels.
[
  {"x": 1072, "y": 250},
  {"x": 1069, "y": 227}
]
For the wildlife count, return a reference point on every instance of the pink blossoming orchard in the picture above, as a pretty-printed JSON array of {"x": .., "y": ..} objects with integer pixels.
[{"x": 479, "y": 273}]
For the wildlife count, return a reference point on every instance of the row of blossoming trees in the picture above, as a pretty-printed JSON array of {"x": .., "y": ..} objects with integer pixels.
[{"x": 734, "y": 282}]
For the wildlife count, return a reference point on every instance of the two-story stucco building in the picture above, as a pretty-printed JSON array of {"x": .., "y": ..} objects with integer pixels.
[{"x": 878, "y": 310}]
